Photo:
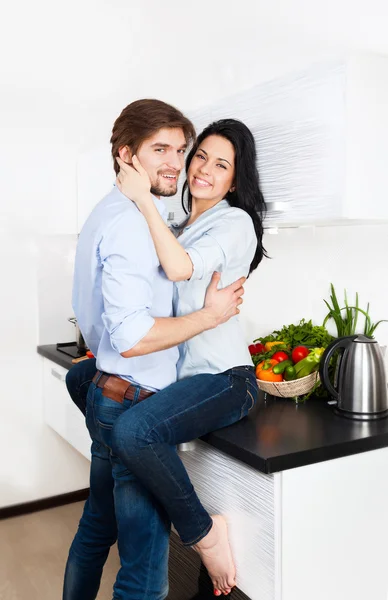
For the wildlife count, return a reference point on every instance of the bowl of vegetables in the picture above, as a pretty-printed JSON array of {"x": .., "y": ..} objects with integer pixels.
[
  {"x": 289, "y": 375},
  {"x": 287, "y": 361}
]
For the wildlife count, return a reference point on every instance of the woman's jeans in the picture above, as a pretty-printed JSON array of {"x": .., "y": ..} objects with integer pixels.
[
  {"x": 78, "y": 380},
  {"x": 144, "y": 438},
  {"x": 118, "y": 506}
]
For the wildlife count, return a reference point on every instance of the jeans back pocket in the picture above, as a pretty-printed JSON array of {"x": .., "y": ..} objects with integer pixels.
[{"x": 106, "y": 411}]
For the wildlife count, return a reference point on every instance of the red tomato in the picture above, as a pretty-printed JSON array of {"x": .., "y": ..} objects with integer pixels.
[
  {"x": 256, "y": 349},
  {"x": 280, "y": 356},
  {"x": 299, "y": 353}
]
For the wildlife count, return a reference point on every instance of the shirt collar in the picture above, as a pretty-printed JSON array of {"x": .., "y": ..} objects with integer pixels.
[
  {"x": 222, "y": 204},
  {"x": 160, "y": 205}
]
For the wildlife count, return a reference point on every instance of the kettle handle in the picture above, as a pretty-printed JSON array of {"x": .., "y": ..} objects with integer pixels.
[{"x": 343, "y": 343}]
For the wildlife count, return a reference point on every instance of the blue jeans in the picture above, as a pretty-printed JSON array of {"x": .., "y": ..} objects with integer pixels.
[
  {"x": 78, "y": 380},
  {"x": 118, "y": 507},
  {"x": 145, "y": 437}
]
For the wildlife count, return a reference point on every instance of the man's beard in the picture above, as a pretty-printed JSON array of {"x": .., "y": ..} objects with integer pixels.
[{"x": 158, "y": 189}]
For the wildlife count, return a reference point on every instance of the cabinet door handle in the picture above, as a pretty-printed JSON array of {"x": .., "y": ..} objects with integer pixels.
[{"x": 57, "y": 375}]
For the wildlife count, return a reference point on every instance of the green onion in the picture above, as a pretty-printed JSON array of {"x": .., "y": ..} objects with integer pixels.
[{"x": 346, "y": 324}]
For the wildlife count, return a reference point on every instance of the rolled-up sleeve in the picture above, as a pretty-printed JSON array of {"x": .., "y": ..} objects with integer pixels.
[
  {"x": 228, "y": 239},
  {"x": 128, "y": 268},
  {"x": 207, "y": 256}
]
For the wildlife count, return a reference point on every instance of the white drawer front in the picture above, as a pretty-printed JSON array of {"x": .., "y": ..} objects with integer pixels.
[{"x": 59, "y": 410}]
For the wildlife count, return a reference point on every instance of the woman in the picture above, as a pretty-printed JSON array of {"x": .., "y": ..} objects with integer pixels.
[{"x": 216, "y": 381}]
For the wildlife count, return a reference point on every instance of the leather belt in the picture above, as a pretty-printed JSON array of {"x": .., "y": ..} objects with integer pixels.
[{"x": 117, "y": 389}]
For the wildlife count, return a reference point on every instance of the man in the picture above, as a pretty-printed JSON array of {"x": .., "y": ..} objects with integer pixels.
[{"x": 123, "y": 304}]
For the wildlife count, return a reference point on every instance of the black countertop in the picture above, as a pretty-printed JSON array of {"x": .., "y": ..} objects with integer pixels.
[
  {"x": 279, "y": 435},
  {"x": 50, "y": 351}
]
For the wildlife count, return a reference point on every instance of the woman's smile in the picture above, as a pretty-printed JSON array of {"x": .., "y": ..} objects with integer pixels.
[{"x": 201, "y": 182}]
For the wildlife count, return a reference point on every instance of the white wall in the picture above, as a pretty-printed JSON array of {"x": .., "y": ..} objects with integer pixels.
[
  {"x": 67, "y": 70},
  {"x": 304, "y": 261},
  {"x": 55, "y": 266},
  {"x": 35, "y": 461}
]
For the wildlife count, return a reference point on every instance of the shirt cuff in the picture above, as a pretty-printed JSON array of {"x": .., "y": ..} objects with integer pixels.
[
  {"x": 198, "y": 264},
  {"x": 131, "y": 331}
]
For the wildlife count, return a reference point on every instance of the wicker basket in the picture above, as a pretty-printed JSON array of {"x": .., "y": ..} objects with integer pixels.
[{"x": 289, "y": 389}]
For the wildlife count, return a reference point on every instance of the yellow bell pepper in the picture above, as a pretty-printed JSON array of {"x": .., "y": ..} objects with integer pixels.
[{"x": 269, "y": 345}]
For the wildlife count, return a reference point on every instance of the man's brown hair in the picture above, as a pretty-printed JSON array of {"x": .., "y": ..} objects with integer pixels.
[{"x": 141, "y": 119}]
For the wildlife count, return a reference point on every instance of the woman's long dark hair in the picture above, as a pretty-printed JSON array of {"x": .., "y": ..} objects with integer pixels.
[{"x": 247, "y": 194}]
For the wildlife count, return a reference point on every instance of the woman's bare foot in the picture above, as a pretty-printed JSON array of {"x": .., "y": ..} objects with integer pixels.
[{"x": 216, "y": 555}]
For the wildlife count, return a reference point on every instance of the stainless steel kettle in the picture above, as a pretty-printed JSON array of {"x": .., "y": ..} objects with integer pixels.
[{"x": 361, "y": 383}]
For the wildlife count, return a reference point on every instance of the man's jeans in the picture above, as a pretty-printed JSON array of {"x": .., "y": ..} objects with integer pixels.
[{"x": 118, "y": 506}]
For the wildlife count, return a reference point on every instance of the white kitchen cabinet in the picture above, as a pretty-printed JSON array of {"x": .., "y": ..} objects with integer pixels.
[
  {"x": 59, "y": 410},
  {"x": 321, "y": 138},
  {"x": 315, "y": 532}
]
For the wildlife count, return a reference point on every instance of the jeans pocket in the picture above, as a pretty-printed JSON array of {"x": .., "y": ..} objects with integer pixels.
[
  {"x": 105, "y": 417},
  {"x": 107, "y": 426},
  {"x": 250, "y": 399},
  {"x": 106, "y": 411},
  {"x": 104, "y": 430}
]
